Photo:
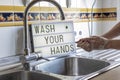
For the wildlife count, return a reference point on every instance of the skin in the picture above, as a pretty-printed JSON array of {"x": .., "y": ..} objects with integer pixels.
[
  {"x": 114, "y": 32},
  {"x": 104, "y": 41},
  {"x": 93, "y": 42}
]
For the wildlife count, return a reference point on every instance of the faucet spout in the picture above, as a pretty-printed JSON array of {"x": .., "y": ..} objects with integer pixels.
[
  {"x": 27, "y": 49},
  {"x": 27, "y": 57}
]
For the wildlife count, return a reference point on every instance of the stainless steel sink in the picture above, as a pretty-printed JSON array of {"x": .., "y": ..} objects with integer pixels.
[
  {"x": 72, "y": 66},
  {"x": 26, "y": 75}
]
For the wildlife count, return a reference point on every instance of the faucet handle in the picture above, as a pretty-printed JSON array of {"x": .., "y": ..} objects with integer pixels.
[{"x": 33, "y": 56}]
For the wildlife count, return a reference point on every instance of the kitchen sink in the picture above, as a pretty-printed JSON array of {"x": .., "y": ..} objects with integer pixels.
[
  {"x": 26, "y": 75},
  {"x": 72, "y": 66}
]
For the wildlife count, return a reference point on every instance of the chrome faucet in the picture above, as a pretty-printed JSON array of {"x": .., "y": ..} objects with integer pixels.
[
  {"x": 27, "y": 49},
  {"x": 28, "y": 56}
]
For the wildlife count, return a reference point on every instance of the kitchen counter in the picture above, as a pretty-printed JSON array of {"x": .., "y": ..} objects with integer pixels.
[
  {"x": 113, "y": 74},
  {"x": 106, "y": 55}
]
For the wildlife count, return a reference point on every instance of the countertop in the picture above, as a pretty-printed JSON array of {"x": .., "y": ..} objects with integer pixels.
[
  {"x": 110, "y": 55},
  {"x": 113, "y": 74}
]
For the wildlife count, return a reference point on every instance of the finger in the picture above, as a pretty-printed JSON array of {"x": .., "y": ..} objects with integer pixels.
[
  {"x": 83, "y": 40},
  {"x": 79, "y": 44},
  {"x": 87, "y": 47}
]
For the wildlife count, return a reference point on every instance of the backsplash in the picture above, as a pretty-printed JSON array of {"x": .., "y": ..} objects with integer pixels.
[
  {"x": 11, "y": 24},
  {"x": 15, "y": 16}
]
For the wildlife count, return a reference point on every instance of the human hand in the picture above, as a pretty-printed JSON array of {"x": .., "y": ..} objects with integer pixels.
[{"x": 92, "y": 43}]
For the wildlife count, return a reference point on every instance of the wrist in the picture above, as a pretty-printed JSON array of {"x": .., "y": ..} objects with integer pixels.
[{"x": 108, "y": 44}]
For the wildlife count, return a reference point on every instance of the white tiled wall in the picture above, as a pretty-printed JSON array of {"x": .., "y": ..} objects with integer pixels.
[
  {"x": 44, "y": 4},
  {"x": 11, "y": 41},
  {"x": 11, "y": 38},
  {"x": 106, "y": 25},
  {"x": 17, "y": 2},
  {"x": 89, "y": 3},
  {"x": 6, "y": 2},
  {"x": 62, "y": 3},
  {"x": 81, "y": 30},
  {"x": 110, "y": 3},
  {"x": 84, "y": 27}
]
